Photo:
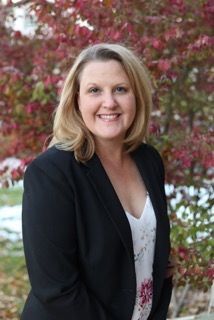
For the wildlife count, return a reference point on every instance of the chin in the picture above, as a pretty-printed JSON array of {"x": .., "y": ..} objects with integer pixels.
[{"x": 111, "y": 138}]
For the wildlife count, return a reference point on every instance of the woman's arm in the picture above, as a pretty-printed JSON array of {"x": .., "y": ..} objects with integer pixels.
[
  {"x": 50, "y": 245},
  {"x": 161, "y": 310}
]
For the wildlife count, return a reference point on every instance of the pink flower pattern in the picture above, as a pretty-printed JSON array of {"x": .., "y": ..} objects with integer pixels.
[{"x": 146, "y": 292}]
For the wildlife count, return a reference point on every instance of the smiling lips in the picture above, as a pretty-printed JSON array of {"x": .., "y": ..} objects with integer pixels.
[{"x": 109, "y": 117}]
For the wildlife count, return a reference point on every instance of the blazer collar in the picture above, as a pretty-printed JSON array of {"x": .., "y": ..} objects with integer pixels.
[{"x": 111, "y": 202}]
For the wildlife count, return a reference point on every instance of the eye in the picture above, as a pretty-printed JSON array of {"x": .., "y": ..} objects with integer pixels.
[
  {"x": 94, "y": 90},
  {"x": 120, "y": 89}
]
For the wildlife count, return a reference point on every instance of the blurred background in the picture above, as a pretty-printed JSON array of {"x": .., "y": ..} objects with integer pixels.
[{"x": 174, "y": 38}]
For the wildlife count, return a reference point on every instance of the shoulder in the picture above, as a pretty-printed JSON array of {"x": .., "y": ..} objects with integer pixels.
[
  {"x": 53, "y": 157},
  {"x": 150, "y": 156},
  {"x": 147, "y": 150},
  {"x": 52, "y": 162}
]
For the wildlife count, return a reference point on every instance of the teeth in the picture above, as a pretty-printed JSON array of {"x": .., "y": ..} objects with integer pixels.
[{"x": 108, "y": 116}]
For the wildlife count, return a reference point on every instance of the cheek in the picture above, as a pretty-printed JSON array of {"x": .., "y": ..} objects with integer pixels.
[
  {"x": 85, "y": 109},
  {"x": 132, "y": 106}
]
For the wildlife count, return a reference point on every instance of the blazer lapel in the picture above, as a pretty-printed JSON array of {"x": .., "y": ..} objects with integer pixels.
[
  {"x": 145, "y": 168},
  {"x": 110, "y": 201}
]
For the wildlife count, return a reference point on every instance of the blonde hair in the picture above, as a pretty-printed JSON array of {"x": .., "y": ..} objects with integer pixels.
[{"x": 69, "y": 130}]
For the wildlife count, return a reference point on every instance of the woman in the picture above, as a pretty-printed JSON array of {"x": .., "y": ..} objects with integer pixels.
[{"x": 95, "y": 225}]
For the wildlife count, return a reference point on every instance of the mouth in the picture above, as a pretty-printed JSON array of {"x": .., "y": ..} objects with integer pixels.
[{"x": 109, "y": 116}]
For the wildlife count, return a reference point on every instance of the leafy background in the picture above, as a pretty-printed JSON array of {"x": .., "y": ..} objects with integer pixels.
[{"x": 174, "y": 38}]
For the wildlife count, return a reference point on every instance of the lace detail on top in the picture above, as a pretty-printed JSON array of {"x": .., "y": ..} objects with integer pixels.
[{"x": 143, "y": 235}]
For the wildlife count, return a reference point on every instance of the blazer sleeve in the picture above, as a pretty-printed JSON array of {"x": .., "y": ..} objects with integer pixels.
[
  {"x": 161, "y": 310},
  {"x": 50, "y": 245}
]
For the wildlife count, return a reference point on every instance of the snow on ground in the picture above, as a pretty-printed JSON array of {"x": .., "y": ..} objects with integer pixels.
[{"x": 10, "y": 219}]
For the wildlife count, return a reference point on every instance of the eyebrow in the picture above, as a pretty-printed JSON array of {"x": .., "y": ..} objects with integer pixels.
[
  {"x": 117, "y": 84},
  {"x": 91, "y": 84}
]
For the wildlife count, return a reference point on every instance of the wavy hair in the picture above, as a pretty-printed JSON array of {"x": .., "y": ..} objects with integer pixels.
[{"x": 69, "y": 130}]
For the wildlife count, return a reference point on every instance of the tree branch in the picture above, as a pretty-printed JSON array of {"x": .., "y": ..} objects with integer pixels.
[{"x": 21, "y": 3}]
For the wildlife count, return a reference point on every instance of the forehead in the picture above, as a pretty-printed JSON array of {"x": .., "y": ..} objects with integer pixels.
[{"x": 101, "y": 71}]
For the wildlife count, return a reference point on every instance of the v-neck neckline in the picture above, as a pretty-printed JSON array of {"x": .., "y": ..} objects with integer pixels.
[{"x": 143, "y": 211}]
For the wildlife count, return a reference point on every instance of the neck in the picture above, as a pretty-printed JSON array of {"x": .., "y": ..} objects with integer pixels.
[{"x": 111, "y": 153}]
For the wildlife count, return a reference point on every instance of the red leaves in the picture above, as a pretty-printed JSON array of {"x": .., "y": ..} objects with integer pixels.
[
  {"x": 61, "y": 38},
  {"x": 17, "y": 174},
  {"x": 153, "y": 19},
  {"x": 190, "y": 265},
  {"x": 203, "y": 41},
  {"x": 208, "y": 12},
  {"x": 178, "y": 5},
  {"x": 154, "y": 129},
  {"x": 164, "y": 65},
  {"x": 52, "y": 80},
  {"x": 17, "y": 34},
  {"x": 195, "y": 148},
  {"x": 158, "y": 44},
  {"x": 210, "y": 271},
  {"x": 32, "y": 107},
  {"x": 162, "y": 36},
  {"x": 173, "y": 33},
  {"x": 183, "y": 253},
  {"x": 8, "y": 128},
  {"x": 82, "y": 31}
]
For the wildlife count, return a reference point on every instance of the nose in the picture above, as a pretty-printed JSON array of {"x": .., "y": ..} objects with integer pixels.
[{"x": 109, "y": 100}]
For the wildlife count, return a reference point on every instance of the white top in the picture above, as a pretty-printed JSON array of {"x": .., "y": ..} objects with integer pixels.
[{"x": 143, "y": 236}]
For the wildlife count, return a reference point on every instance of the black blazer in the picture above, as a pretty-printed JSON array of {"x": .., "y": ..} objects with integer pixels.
[{"x": 78, "y": 242}]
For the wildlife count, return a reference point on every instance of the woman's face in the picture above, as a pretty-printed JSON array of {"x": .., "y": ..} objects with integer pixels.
[{"x": 106, "y": 100}]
